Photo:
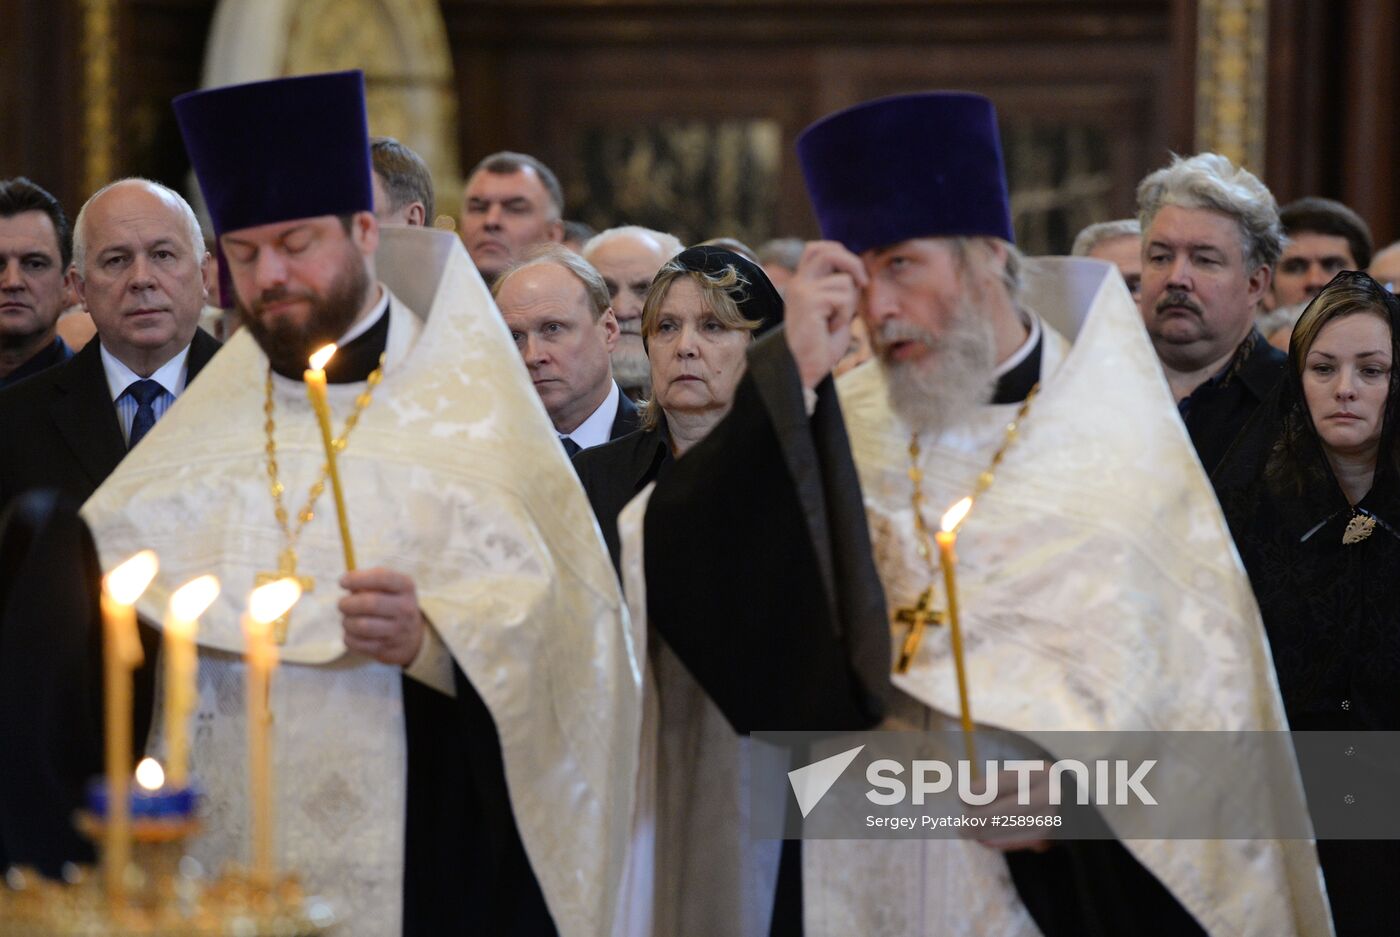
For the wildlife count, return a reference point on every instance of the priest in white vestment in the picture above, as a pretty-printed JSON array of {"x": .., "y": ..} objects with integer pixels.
[
  {"x": 455, "y": 721},
  {"x": 1099, "y": 587}
]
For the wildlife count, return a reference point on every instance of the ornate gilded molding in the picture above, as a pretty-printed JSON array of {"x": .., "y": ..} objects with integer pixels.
[
  {"x": 1231, "y": 46},
  {"x": 410, "y": 92},
  {"x": 99, "y": 45}
]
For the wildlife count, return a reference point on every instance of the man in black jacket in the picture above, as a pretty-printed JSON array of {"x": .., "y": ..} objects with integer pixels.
[{"x": 140, "y": 267}]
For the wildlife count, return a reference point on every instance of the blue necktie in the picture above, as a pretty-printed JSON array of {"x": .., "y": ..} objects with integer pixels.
[
  {"x": 145, "y": 393},
  {"x": 571, "y": 448}
]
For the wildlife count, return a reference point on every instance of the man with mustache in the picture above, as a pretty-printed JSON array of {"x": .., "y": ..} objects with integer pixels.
[
  {"x": 456, "y": 706},
  {"x": 1093, "y": 545},
  {"x": 1211, "y": 238},
  {"x": 139, "y": 268},
  {"x": 628, "y": 257}
]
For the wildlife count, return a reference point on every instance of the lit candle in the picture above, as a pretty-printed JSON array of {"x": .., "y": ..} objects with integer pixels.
[
  {"x": 181, "y": 624},
  {"x": 947, "y": 538},
  {"x": 315, "y": 378},
  {"x": 121, "y": 655},
  {"x": 267, "y": 604}
]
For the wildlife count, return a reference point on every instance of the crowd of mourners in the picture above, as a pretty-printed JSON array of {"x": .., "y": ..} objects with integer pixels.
[{"x": 1275, "y": 330}]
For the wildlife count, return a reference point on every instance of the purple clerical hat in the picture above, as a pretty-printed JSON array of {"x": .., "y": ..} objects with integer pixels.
[
  {"x": 277, "y": 150},
  {"x": 914, "y": 165}
]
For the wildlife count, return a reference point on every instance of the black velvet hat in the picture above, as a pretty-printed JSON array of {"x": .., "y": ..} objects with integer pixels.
[
  {"x": 277, "y": 150},
  {"x": 913, "y": 165},
  {"x": 759, "y": 301}
]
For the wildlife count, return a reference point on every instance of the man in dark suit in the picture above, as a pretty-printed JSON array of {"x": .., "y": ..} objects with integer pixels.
[
  {"x": 34, "y": 250},
  {"x": 556, "y": 306},
  {"x": 140, "y": 267}
]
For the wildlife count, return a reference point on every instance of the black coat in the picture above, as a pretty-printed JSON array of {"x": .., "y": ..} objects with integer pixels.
[
  {"x": 628, "y": 420},
  {"x": 60, "y": 426},
  {"x": 1329, "y": 608},
  {"x": 616, "y": 472}
]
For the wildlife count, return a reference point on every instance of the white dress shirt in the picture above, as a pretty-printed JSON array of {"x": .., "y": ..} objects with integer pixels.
[{"x": 597, "y": 429}]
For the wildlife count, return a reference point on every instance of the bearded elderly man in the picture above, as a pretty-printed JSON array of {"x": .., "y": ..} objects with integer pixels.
[
  {"x": 456, "y": 715},
  {"x": 628, "y": 258},
  {"x": 1094, "y": 536}
]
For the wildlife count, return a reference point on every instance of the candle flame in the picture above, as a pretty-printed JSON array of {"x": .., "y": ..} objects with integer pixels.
[
  {"x": 149, "y": 774},
  {"x": 191, "y": 599},
  {"x": 955, "y": 515},
  {"x": 319, "y": 359},
  {"x": 270, "y": 602},
  {"x": 126, "y": 583}
]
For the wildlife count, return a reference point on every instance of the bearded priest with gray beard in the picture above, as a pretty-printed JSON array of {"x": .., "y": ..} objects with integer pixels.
[{"x": 1098, "y": 585}]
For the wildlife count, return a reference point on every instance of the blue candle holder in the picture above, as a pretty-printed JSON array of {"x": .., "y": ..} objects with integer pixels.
[{"x": 163, "y": 803}]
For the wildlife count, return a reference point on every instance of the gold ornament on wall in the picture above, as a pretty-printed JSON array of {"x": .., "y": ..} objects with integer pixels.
[
  {"x": 99, "y": 50},
  {"x": 1231, "y": 46},
  {"x": 402, "y": 47}
]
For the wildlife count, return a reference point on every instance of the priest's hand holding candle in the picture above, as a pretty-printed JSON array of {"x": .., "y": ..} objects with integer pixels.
[
  {"x": 121, "y": 654},
  {"x": 266, "y": 604},
  {"x": 315, "y": 378},
  {"x": 181, "y": 671},
  {"x": 947, "y": 538}
]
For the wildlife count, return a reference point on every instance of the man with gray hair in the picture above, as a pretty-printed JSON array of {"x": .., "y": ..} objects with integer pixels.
[
  {"x": 1118, "y": 242},
  {"x": 628, "y": 258},
  {"x": 511, "y": 203},
  {"x": 556, "y": 307},
  {"x": 139, "y": 267},
  {"x": 1211, "y": 238},
  {"x": 779, "y": 258}
]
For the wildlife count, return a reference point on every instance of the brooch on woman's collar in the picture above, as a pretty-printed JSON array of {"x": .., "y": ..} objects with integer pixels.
[{"x": 1358, "y": 528}]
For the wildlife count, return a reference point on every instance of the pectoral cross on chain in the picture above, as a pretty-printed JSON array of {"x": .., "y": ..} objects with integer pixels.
[
  {"x": 286, "y": 569},
  {"x": 916, "y": 616}
]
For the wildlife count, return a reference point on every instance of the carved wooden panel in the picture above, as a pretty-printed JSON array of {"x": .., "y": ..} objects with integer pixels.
[{"x": 1088, "y": 92}]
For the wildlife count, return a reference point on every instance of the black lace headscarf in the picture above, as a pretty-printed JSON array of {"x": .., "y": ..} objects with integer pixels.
[{"x": 1331, "y": 609}]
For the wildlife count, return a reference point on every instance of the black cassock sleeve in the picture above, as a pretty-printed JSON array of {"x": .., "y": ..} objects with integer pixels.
[{"x": 758, "y": 562}]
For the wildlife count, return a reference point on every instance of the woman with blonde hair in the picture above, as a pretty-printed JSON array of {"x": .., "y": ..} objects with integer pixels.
[{"x": 704, "y": 309}]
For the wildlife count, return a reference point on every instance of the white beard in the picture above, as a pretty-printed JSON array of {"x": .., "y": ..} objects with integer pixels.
[
  {"x": 956, "y": 375},
  {"x": 632, "y": 369}
]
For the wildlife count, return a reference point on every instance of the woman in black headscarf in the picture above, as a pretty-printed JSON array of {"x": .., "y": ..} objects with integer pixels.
[
  {"x": 1311, "y": 491},
  {"x": 704, "y": 309}
]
